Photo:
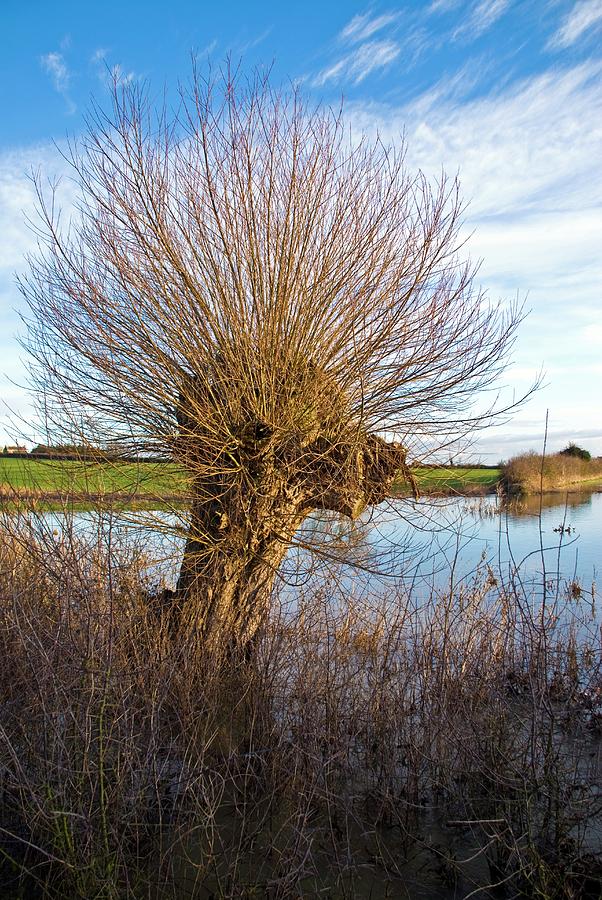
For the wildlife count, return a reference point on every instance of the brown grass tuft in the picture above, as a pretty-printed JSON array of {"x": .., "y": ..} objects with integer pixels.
[{"x": 366, "y": 749}]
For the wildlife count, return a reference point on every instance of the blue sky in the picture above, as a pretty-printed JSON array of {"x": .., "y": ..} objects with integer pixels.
[{"x": 506, "y": 93}]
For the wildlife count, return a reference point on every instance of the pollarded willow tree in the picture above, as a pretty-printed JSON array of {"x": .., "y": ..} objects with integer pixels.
[{"x": 278, "y": 307}]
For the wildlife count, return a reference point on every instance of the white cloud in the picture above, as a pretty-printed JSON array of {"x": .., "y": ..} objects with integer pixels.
[
  {"x": 556, "y": 252},
  {"x": 482, "y": 16},
  {"x": 592, "y": 335},
  {"x": 443, "y": 6},
  {"x": 99, "y": 55},
  {"x": 532, "y": 147},
  {"x": 487, "y": 12},
  {"x": 502, "y": 444},
  {"x": 369, "y": 54},
  {"x": 584, "y": 16},
  {"x": 109, "y": 74},
  {"x": 54, "y": 63},
  {"x": 206, "y": 51},
  {"x": 528, "y": 159},
  {"x": 356, "y": 66},
  {"x": 16, "y": 196},
  {"x": 120, "y": 76},
  {"x": 17, "y": 204},
  {"x": 362, "y": 27},
  {"x": 18, "y": 199},
  {"x": 242, "y": 48}
]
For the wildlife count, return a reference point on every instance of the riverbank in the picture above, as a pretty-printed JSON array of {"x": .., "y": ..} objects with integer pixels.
[
  {"x": 446, "y": 481},
  {"x": 54, "y": 480}
]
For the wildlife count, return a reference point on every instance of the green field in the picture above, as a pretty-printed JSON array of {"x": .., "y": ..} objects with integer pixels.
[
  {"x": 72, "y": 477},
  {"x": 453, "y": 480},
  {"x": 157, "y": 480}
]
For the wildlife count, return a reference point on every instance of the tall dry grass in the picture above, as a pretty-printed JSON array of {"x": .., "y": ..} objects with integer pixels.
[
  {"x": 428, "y": 747},
  {"x": 529, "y": 473}
]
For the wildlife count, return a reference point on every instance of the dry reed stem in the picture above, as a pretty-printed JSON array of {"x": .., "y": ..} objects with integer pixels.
[{"x": 365, "y": 745}]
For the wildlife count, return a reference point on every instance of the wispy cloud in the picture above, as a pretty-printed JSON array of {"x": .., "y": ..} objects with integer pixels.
[
  {"x": 110, "y": 74},
  {"x": 17, "y": 206},
  {"x": 504, "y": 444},
  {"x": 533, "y": 145},
  {"x": 120, "y": 76},
  {"x": 99, "y": 55},
  {"x": 54, "y": 64},
  {"x": 483, "y": 15},
  {"x": 364, "y": 53},
  {"x": 206, "y": 51},
  {"x": 56, "y": 67},
  {"x": 357, "y": 65},
  {"x": 362, "y": 27},
  {"x": 443, "y": 6},
  {"x": 528, "y": 162},
  {"x": 254, "y": 41},
  {"x": 585, "y": 15}
]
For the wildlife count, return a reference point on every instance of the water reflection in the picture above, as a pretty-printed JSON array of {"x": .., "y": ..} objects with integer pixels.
[
  {"x": 530, "y": 505},
  {"x": 431, "y": 542}
]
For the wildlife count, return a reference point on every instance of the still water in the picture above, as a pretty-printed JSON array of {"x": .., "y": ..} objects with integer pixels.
[
  {"x": 555, "y": 539},
  {"x": 550, "y": 544}
]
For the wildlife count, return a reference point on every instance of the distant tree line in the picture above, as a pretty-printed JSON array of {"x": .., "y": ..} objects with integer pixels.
[
  {"x": 79, "y": 452},
  {"x": 66, "y": 451},
  {"x": 55, "y": 451}
]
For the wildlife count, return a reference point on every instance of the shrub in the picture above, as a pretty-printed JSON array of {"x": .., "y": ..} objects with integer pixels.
[
  {"x": 134, "y": 764},
  {"x": 578, "y": 452},
  {"x": 530, "y": 472}
]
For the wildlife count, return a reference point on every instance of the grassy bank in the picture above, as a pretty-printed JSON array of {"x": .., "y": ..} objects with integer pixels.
[
  {"x": 530, "y": 472},
  {"x": 53, "y": 479},
  {"x": 408, "y": 746},
  {"x": 449, "y": 480}
]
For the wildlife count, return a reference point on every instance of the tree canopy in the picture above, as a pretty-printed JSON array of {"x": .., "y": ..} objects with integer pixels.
[
  {"x": 282, "y": 309},
  {"x": 578, "y": 452}
]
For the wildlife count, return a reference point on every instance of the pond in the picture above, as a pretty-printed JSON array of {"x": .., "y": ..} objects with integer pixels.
[
  {"x": 549, "y": 543},
  {"x": 550, "y": 538},
  {"x": 553, "y": 540},
  {"x": 547, "y": 547}
]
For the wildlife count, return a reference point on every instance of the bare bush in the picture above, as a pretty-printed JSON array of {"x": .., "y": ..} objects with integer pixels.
[
  {"x": 530, "y": 472},
  {"x": 443, "y": 741}
]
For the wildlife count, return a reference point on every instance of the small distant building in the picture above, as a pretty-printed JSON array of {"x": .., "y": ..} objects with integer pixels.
[{"x": 14, "y": 450}]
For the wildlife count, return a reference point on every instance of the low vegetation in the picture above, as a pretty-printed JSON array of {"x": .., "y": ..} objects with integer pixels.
[
  {"x": 81, "y": 479},
  {"x": 456, "y": 479},
  {"x": 531, "y": 472},
  {"x": 59, "y": 478},
  {"x": 449, "y": 741}
]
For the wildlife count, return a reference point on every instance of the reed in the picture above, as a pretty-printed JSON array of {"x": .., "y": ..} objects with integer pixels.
[
  {"x": 529, "y": 473},
  {"x": 443, "y": 740}
]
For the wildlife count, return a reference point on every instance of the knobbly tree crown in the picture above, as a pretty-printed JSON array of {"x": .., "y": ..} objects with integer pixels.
[{"x": 246, "y": 288}]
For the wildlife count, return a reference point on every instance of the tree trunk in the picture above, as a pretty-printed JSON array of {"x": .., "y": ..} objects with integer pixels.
[
  {"x": 239, "y": 538},
  {"x": 232, "y": 555}
]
